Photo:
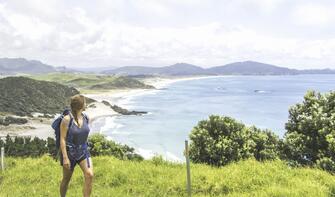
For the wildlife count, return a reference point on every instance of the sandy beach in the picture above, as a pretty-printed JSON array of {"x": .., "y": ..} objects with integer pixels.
[{"x": 114, "y": 96}]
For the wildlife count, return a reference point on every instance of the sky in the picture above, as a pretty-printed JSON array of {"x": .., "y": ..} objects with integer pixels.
[{"x": 85, "y": 33}]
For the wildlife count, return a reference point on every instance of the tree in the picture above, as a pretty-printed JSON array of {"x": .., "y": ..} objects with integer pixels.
[
  {"x": 268, "y": 145},
  {"x": 220, "y": 140},
  {"x": 310, "y": 136}
]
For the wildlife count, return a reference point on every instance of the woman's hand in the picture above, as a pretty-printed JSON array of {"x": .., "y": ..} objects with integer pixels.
[{"x": 66, "y": 163}]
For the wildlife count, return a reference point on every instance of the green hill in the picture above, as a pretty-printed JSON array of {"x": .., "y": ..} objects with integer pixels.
[
  {"x": 122, "y": 83},
  {"x": 113, "y": 177},
  {"x": 22, "y": 96},
  {"x": 89, "y": 82}
]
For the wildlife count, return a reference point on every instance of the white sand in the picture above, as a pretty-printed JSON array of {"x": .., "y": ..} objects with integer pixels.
[
  {"x": 41, "y": 127},
  {"x": 114, "y": 96},
  {"x": 161, "y": 82},
  {"x": 33, "y": 128},
  {"x": 100, "y": 110}
]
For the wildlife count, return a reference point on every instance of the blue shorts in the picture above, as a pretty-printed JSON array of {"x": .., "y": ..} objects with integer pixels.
[{"x": 75, "y": 156}]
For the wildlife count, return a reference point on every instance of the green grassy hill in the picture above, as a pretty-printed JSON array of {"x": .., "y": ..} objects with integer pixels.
[
  {"x": 113, "y": 177},
  {"x": 22, "y": 96},
  {"x": 92, "y": 82}
]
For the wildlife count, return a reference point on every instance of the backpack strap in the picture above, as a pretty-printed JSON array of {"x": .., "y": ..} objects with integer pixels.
[
  {"x": 71, "y": 120},
  {"x": 85, "y": 117},
  {"x": 68, "y": 128},
  {"x": 87, "y": 160}
]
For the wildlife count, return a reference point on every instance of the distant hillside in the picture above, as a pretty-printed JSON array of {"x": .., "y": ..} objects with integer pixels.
[
  {"x": 12, "y": 66},
  {"x": 121, "y": 82},
  {"x": 174, "y": 70},
  {"x": 251, "y": 68},
  {"x": 237, "y": 68},
  {"x": 87, "y": 82},
  {"x": 22, "y": 96},
  {"x": 317, "y": 71}
]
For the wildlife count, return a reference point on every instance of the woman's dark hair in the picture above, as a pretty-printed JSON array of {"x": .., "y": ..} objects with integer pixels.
[{"x": 77, "y": 103}]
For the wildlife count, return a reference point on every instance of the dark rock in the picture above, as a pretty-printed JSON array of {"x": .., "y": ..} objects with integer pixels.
[
  {"x": 91, "y": 106},
  {"x": 106, "y": 103},
  {"x": 7, "y": 120},
  {"x": 123, "y": 111}
]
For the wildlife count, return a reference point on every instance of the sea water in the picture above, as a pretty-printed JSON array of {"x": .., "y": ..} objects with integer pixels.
[{"x": 174, "y": 110}]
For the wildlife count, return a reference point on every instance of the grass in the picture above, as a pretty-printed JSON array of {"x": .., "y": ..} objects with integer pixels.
[
  {"x": 113, "y": 177},
  {"x": 89, "y": 83},
  {"x": 79, "y": 80}
]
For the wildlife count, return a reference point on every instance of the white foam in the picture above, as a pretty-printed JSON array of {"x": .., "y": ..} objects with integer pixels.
[{"x": 110, "y": 124}]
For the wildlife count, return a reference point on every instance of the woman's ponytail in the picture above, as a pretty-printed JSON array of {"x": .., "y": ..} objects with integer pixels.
[{"x": 77, "y": 103}]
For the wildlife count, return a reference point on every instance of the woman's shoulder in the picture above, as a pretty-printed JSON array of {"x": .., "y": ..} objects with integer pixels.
[{"x": 66, "y": 118}]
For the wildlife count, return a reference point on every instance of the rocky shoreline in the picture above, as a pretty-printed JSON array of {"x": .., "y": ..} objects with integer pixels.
[{"x": 123, "y": 111}]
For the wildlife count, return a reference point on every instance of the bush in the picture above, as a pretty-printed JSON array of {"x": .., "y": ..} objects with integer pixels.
[
  {"x": 220, "y": 140},
  {"x": 268, "y": 145},
  {"x": 100, "y": 145},
  {"x": 25, "y": 147},
  {"x": 310, "y": 136},
  {"x": 51, "y": 144}
]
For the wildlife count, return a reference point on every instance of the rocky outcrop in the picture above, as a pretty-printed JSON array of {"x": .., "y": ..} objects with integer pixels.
[
  {"x": 123, "y": 111},
  {"x": 7, "y": 120}
]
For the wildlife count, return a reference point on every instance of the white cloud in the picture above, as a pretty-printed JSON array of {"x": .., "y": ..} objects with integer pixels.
[
  {"x": 314, "y": 15},
  {"x": 77, "y": 37},
  {"x": 266, "y": 6}
]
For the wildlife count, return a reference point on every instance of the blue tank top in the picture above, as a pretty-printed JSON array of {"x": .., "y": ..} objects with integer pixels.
[{"x": 79, "y": 135}]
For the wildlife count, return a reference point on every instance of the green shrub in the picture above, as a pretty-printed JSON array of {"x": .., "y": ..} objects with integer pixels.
[
  {"x": 100, "y": 145},
  {"x": 220, "y": 140},
  {"x": 268, "y": 145},
  {"x": 310, "y": 136},
  {"x": 25, "y": 147},
  {"x": 51, "y": 144}
]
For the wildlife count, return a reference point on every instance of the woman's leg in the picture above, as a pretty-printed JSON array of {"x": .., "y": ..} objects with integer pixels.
[
  {"x": 67, "y": 174},
  {"x": 88, "y": 175}
]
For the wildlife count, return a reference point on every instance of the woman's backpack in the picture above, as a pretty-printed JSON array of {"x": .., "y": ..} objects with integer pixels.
[{"x": 56, "y": 126}]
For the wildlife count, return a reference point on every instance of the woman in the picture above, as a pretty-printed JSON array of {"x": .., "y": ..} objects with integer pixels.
[{"x": 74, "y": 132}]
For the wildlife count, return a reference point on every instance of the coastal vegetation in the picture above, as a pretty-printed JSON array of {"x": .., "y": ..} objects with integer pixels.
[
  {"x": 93, "y": 82},
  {"x": 222, "y": 140},
  {"x": 34, "y": 147},
  {"x": 23, "y": 96}
]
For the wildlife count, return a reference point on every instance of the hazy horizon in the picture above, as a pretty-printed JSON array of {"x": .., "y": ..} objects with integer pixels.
[{"x": 295, "y": 34}]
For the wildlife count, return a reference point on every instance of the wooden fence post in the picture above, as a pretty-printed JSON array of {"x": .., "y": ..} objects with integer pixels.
[
  {"x": 188, "y": 169},
  {"x": 2, "y": 158}
]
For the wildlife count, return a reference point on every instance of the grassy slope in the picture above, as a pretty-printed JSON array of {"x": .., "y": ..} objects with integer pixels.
[
  {"x": 40, "y": 177},
  {"x": 84, "y": 82}
]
